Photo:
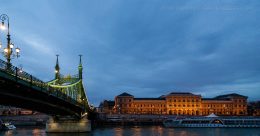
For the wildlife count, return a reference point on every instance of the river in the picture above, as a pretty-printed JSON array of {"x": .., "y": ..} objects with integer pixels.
[{"x": 139, "y": 131}]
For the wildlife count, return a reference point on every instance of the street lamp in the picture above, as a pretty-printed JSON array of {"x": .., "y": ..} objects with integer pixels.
[{"x": 8, "y": 51}]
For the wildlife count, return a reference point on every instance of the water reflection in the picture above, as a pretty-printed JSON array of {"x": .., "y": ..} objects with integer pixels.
[
  {"x": 137, "y": 130},
  {"x": 118, "y": 131},
  {"x": 140, "y": 131}
]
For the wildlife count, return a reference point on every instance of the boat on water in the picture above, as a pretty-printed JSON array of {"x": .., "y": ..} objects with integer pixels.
[
  {"x": 7, "y": 126},
  {"x": 213, "y": 121},
  {"x": 114, "y": 118}
]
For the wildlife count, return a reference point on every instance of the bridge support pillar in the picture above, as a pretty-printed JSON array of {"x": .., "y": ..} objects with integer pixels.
[{"x": 68, "y": 124}]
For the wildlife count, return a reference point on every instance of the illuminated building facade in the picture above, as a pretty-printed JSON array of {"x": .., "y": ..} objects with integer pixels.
[
  {"x": 181, "y": 103},
  {"x": 106, "y": 107},
  {"x": 127, "y": 104},
  {"x": 230, "y": 104}
]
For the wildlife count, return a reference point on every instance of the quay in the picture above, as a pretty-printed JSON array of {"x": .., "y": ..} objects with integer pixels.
[
  {"x": 26, "y": 120},
  {"x": 148, "y": 120}
]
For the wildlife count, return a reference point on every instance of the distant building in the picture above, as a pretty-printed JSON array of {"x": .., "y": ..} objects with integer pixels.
[
  {"x": 230, "y": 104},
  {"x": 8, "y": 110},
  {"x": 254, "y": 108},
  {"x": 107, "y": 107},
  {"x": 126, "y": 103},
  {"x": 181, "y": 103}
]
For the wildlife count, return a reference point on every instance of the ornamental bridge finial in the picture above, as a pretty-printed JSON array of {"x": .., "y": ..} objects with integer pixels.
[
  {"x": 80, "y": 67},
  {"x": 57, "y": 68}
]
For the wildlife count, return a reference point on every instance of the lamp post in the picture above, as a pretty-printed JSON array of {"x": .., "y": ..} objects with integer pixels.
[{"x": 8, "y": 51}]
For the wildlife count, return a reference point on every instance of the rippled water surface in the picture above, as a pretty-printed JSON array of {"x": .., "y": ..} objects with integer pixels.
[{"x": 139, "y": 131}]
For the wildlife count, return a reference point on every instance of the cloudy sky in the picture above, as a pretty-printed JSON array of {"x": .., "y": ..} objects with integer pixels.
[{"x": 144, "y": 47}]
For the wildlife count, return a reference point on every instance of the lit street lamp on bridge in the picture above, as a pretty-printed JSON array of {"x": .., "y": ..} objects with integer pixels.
[{"x": 8, "y": 51}]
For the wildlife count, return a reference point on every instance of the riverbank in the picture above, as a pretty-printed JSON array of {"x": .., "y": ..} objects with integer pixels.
[
  {"x": 26, "y": 120},
  {"x": 102, "y": 120}
]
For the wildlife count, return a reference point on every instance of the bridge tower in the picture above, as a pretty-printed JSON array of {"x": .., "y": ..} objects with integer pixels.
[
  {"x": 80, "y": 67},
  {"x": 57, "y": 68},
  {"x": 71, "y": 85}
]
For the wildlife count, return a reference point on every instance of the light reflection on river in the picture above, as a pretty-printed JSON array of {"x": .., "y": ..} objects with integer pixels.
[{"x": 140, "y": 131}]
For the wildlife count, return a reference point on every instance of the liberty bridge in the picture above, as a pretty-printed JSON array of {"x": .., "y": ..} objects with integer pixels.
[{"x": 63, "y": 99}]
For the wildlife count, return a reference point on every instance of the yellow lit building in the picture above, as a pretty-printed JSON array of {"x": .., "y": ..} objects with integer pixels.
[
  {"x": 181, "y": 103},
  {"x": 230, "y": 104},
  {"x": 127, "y": 104}
]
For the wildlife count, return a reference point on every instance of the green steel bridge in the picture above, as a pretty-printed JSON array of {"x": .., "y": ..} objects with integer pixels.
[{"x": 65, "y": 95}]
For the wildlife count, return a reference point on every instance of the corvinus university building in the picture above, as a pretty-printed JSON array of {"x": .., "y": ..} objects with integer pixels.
[{"x": 181, "y": 103}]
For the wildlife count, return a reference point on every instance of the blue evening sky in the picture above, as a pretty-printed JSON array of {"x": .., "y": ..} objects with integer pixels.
[{"x": 144, "y": 47}]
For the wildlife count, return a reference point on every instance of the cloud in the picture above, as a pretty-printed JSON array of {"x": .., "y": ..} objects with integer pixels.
[
  {"x": 148, "y": 48},
  {"x": 38, "y": 45}
]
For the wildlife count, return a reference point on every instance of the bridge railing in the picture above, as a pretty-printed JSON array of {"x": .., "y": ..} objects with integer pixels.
[{"x": 19, "y": 74}]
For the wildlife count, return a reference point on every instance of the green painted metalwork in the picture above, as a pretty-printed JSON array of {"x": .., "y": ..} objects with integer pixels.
[{"x": 68, "y": 88}]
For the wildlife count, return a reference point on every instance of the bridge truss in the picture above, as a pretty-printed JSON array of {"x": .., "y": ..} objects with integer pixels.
[{"x": 66, "y": 88}]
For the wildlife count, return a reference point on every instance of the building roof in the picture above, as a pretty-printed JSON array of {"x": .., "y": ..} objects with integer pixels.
[
  {"x": 214, "y": 99},
  {"x": 229, "y": 96},
  {"x": 107, "y": 103},
  {"x": 181, "y": 93},
  {"x": 149, "y": 98},
  {"x": 110, "y": 103},
  {"x": 125, "y": 94},
  {"x": 162, "y": 96}
]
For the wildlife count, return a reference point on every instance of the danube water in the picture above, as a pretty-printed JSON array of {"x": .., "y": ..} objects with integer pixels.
[{"x": 139, "y": 131}]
